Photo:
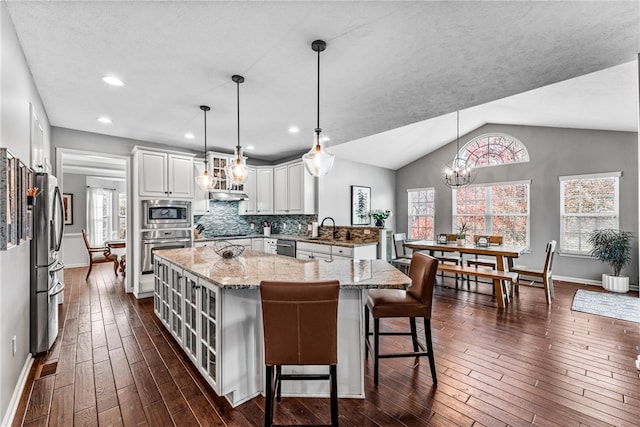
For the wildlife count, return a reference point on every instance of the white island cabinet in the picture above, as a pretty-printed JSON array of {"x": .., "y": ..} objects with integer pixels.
[{"x": 212, "y": 307}]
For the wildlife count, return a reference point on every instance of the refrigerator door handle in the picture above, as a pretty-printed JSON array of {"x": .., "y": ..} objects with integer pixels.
[
  {"x": 60, "y": 208},
  {"x": 59, "y": 266},
  {"x": 59, "y": 287}
]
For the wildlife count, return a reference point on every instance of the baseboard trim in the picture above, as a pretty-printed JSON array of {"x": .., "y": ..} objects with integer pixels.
[
  {"x": 578, "y": 280},
  {"x": 75, "y": 265},
  {"x": 17, "y": 392}
]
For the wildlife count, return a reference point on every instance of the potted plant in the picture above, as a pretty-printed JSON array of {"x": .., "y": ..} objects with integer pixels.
[
  {"x": 461, "y": 235},
  {"x": 379, "y": 216},
  {"x": 614, "y": 248}
]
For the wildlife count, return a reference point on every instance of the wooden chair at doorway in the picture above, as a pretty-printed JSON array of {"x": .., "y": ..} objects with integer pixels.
[{"x": 98, "y": 255}]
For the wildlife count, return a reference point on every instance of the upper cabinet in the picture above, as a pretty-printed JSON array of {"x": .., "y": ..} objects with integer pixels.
[
  {"x": 200, "y": 204},
  {"x": 294, "y": 190},
  {"x": 165, "y": 175},
  {"x": 259, "y": 188}
]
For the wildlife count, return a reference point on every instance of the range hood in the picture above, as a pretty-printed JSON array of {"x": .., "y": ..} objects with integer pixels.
[{"x": 227, "y": 195}]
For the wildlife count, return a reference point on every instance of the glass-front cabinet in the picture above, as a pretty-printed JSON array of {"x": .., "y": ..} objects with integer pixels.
[
  {"x": 209, "y": 330},
  {"x": 176, "y": 302},
  {"x": 190, "y": 342},
  {"x": 162, "y": 291}
]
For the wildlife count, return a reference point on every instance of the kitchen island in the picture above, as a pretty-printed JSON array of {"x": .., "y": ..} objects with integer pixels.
[{"x": 212, "y": 308}]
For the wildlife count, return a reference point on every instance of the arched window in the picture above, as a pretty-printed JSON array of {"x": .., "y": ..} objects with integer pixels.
[{"x": 494, "y": 149}]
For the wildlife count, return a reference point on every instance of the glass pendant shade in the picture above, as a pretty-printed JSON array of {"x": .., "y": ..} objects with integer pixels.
[
  {"x": 318, "y": 161},
  {"x": 205, "y": 181},
  {"x": 237, "y": 170}
]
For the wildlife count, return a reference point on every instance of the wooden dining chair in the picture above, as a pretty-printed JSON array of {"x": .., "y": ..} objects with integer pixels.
[
  {"x": 300, "y": 328},
  {"x": 98, "y": 255},
  {"x": 403, "y": 255},
  {"x": 414, "y": 302},
  {"x": 450, "y": 257},
  {"x": 483, "y": 261},
  {"x": 537, "y": 277}
]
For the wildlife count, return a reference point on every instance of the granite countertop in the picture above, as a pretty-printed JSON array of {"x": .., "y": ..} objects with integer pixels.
[
  {"x": 247, "y": 270},
  {"x": 323, "y": 241}
]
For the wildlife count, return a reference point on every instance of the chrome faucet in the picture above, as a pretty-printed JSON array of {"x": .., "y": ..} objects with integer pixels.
[{"x": 335, "y": 232}]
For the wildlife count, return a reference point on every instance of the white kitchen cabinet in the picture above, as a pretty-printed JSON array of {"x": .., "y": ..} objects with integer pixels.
[
  {"x": 257, "y": 244},
  {"x": 306, "y": 250},
  {"x": 200, "y": 203},
  {"x": 249, "y": 206},
  {"x": 264, "y": 193},
  {"x": 294, "y": 189},
  {"x": 271, "y": 246},
  {"x": 164, "y": 175}
]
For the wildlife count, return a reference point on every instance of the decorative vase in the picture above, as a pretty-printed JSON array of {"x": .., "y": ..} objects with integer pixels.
[
  {"x": 615, "y": 283},
  {"x": 379, "y": 223}
]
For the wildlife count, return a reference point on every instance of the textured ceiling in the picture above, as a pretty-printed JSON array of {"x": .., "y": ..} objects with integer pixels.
[{"x": 387, "y": 65}]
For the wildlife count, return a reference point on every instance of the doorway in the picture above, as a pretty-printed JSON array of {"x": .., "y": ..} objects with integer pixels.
[{"x": 98, "y": 186}]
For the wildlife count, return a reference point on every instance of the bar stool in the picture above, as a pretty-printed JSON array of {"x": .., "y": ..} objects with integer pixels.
[
  {"x": 300, "y": 328},
  {"x": 414, "y": 302}
]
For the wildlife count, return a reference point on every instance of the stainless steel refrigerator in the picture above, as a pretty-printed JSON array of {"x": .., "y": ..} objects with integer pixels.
[{"x": 48, "y": 225}]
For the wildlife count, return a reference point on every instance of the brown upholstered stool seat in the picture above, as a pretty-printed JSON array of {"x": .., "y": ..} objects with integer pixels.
[
  {"x": 414, "y": 302},
  {"x": 395, "y": 303}
]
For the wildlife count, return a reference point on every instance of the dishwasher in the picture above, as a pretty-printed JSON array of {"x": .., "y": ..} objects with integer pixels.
[{"x": 286, "y": 247}]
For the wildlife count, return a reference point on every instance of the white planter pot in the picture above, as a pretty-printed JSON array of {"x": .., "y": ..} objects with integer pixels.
[
  {"x": 615, "y": 283},
  {"x": 461, "y": 242}
]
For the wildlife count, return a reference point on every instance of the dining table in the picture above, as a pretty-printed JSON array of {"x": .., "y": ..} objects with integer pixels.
[
  {"x": 119, "y": 249},
  {"x": 504, "y": 254}
]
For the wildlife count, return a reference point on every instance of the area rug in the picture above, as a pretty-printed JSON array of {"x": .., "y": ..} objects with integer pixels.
[{"x": 605, "y": 304}]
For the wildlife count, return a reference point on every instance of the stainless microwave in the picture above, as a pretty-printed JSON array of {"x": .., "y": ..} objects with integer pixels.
[{"x": 166, "y": 214}]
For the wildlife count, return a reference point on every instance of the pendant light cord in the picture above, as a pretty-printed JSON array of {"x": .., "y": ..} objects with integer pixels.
[
  {"x": 205, "y": 139},
  {"x": 457, "y": 133},
  {"x": 238, "y": 96},
  {"x": 318, "y": 110}
]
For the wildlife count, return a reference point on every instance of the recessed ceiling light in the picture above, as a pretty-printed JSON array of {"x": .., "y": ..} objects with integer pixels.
[
  {"x": 106, "y": 120},
  {"x": 189, "y": 135},
  {"x": 294, "y": 129},
  {"x": 113, "y": 80},
  {"x": 250, "y": 147}
]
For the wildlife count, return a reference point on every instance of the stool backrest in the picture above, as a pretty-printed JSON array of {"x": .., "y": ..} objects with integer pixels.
[
  {"x": 398, "y": 244},
  {"x": 300, "y": 322},
  {"x": 422, "y": 271}
]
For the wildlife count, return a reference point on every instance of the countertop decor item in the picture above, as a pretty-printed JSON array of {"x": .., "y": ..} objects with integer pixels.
[
  {"x": 227, "y": 249},
  {"x": 458, "y": 173},
  {"x": 318, "y": 161},
  {"x": 379, "y": 216},
  {"x": 236, "y": 169}
]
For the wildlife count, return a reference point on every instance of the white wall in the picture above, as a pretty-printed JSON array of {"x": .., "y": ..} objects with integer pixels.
[
  {"x": 17, "y": 90},
  {"x": 334, "y": 190}
]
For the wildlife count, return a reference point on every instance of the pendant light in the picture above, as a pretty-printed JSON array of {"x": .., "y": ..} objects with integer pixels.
[
  {"x": 318, "y": 160},
  {"x": 458, "y": 173},
  {"x": 205, "y": 181},
  {"x": 237, "y": 170}
]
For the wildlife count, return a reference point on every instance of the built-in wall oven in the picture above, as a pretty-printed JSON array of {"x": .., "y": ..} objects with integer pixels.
[
  {"x": 166, "y": 214},
  {"x": 154, "y": 240}
]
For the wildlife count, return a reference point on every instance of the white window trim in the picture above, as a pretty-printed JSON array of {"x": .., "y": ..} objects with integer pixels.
[
  {"x": 490, "y": 184},
  {"x": 563, "y": 179},
  {"x": 434, "y": 206},
  {"x": 488, "y": 135}
]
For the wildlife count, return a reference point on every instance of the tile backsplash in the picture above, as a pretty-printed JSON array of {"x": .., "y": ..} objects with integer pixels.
[{"x": 223, "y": 219}]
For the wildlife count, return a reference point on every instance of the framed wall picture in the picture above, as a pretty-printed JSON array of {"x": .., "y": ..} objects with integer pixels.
[
  {"x": 360, "y": 205},
  {"x": 8, "y": 193},
  {"x": 67, "y": 202}
]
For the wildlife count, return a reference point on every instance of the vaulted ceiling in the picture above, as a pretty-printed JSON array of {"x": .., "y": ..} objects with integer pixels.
[{"x": 387, "y": 65}]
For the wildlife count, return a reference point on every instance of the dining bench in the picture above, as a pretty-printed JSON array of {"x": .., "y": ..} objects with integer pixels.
[{"x": 499, "y": 278}]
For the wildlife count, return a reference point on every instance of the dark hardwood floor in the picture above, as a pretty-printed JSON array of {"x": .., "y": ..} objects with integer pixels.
[{"x": 114, "y": 364}]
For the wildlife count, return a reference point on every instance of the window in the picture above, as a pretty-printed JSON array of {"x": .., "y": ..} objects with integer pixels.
[
  {"x": 122, "y": 215},
  {"x": 421, "y": 208},
  {"x": 493, "y": 150},
  {"x": 494, "y": 209},
  {"x": 587, "y": 203},
  {"x": 99, "y": 215}
]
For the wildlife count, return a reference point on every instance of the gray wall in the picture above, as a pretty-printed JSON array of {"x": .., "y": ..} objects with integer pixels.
[
  {"x": 553, "y": 152},
  {"x": 77, "y": 185},
  {"x": 17, "y": 91}
]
